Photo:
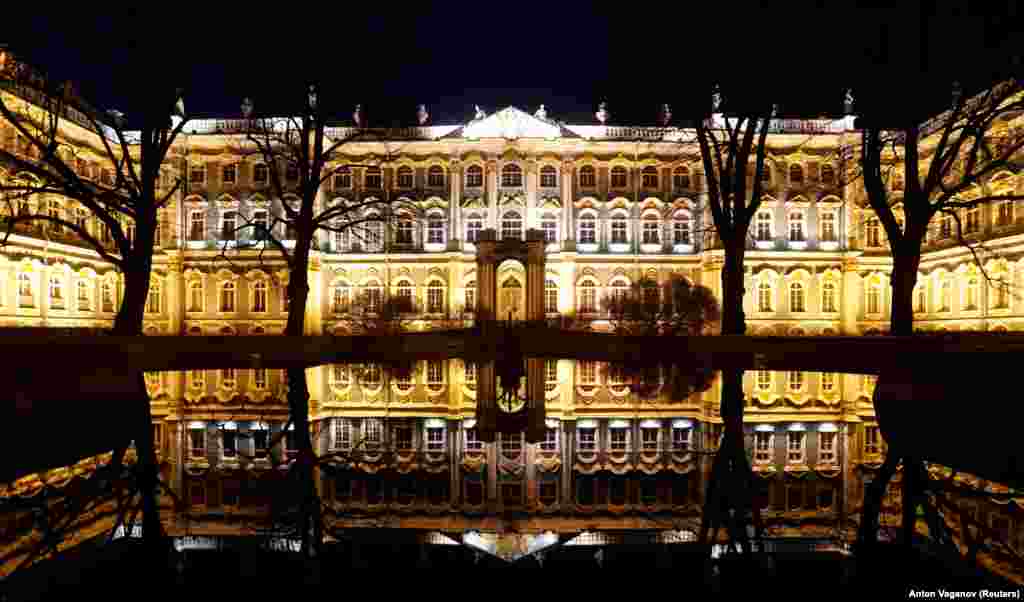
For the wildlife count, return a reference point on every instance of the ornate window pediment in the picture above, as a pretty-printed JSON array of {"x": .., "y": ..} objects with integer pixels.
[{"x": 511, "y": 124}]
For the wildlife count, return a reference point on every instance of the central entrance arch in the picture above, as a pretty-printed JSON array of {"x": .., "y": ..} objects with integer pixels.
[{"x": 521, "y": 263}]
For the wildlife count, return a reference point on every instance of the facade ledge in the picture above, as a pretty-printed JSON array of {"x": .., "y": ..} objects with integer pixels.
[{"x": 764, "y": 245}]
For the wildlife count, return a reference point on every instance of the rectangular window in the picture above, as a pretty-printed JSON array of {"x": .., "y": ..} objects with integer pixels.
[
  {"x": 291, "y": 173},
  {"x": 550, "y": 442},
  {"x": 828, "y": 382},
  {"x": 230, "y": 442},
  {"x": 342, "y": 179},
  {"x": 588, "y": 372},
  {"x": 435, "y": 372},
  {"x": 260, "y": 440},
  {"x": 372, "y": 178},
  {"x": 260, "y": 174},
  {"x": 196, "y": 379},
  {"x": 714, "y": 434},
  {"x": 197, "y": 442},
  {"x": 372, "y": 432},
  {"x": 681, "y": 438},
  {"x": 872, "y": 443},
  {"x": 435, "y": 439},
  {"x": 550, "y": 228},
  {"x": 228, "y": 224},
  {"x": 619, "y": 231},
  {"x": 259, "y": 378},
  {"x": 764, "y": 226},
  {"x": 681, "y": 231},
  {"x": 828, "y": 227},
  {"x": 550, "y": 300},
  {"x": 291, "y": 444},
  {"x": 197, "y": 174},
  {"x": 762, "y": 448},
  {"x": 619, "y": 439},
  {"x": 473, "y": 442},
  {"x": 795, "y": 448},
  {"x": 826, "y": 448},
  {"x": 587, "y": 439},
  {"x": 229, "y": 174},
  {"x": 651, "y": 232},
  {"x": 435, "y": 300},
  {"x": 259, "y": 225},
  {"x": 511, "y": 445},
  {"x": 197, "y": 226},
  {"x": 403, "y": 438},
  {"x": 588, "y": 231},
  {"x": 649, "y": 439},
  {"x": 342, "y": 435},
  {"x": 435, "y": 231}
]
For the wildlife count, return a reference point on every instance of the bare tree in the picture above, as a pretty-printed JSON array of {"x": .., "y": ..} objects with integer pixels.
[
  {"x": 125, "y": 197},
  {"x": 945, "y": 165}
]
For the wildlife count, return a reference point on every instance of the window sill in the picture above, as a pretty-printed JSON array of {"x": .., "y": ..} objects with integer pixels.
[
  {"x": 617, "y": 247},
  {"x": 194, "y": 245},
  {"x": 798, "y": 245},
  {"x": 682, "y": 248},
  {"x": 651, "y": 247},
  {"x": 587, "y": 247},
  {"x": 829, "y": 245},
  {"x": 764, "y": 245},
  {"x": 434, "y": 247}
]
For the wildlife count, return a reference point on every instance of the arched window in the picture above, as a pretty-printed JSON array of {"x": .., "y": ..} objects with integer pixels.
[
  {"x": 372, "y": 178},
  {"x": 874, "y": 304},
  {"x": 340, "y": 297},
  {"x": 828, "y": 227},
  {"x": 872, "y": 233},
  {"x": 1000, "y": 291},
  {"x": 404, "y": 295},
  {"x": 681, "y": 178},
  {"x": 681, "y": 228},
  {"x": 796, "y": 297},
  {"x": 227, "y": 297},
  {"x": 946, "y": 296},
  {"x": 796, "y": 174},
  {"x": 828, "y": 297},
  {"x": 340, "y": 237},
  {"x": 470, "y": 297},
  {"x": 474, "y": 224},
  {"x": 550, "y": 297},
  {"x": 588, "y": 229},
  {"x": 619, "y": 228},
  {"x": 259, "y": 296},
  {"x": 435, "y": 229},
  {"x": 619, "y": 294},
  {"x": 652, "y": 227},
  {"x": 342, "y": 178},
  {"x": 619, "y": 177},
  {"x": 588, "y": 177},
  {"x": 435, "y": 297},
  {"x": 405, "y": 177},
  {"x": 971, "y": 295},
  {"x": 796, "y": 226},
  {"x": 764, "y": 380},
  {"x": 795, "y": 381},
  {"x": 649, "y": 177},
  {"x": 435, "y": 176},
  {"x": 107, "y": 296},
  {"x": 372, "y": 296},
  {"x": 764, "y": 297},
  {"x": 83, "y": 296},
  {"x": 828, "y": 174},
  {"x": 549, "y": 225},
  {"x": 56, "y": 291},
  {"x": 511, "y": 176},
  {"x": 474, "y": 176},
  {"x": 764, "y": 226},
  {"x": 153, "y": 300},
  {"x": 920, "y": 298},
  {"x": 588, "y": 297},
  {"x": 548, "y": 177},
  {"x": 404, "y": 232},
  {"x": 511, "y": 226},
  {"x": 195, "y": 296}
]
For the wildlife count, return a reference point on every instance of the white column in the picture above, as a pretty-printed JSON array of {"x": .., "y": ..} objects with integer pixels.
[
  {"x": 492, "y": 196},
  {"x": 454, "y": 207}
]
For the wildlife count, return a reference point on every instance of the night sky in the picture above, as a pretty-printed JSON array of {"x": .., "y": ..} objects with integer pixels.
[{"x": 569, "y": 56}]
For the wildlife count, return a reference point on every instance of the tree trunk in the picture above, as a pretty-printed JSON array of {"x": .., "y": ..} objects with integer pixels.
[
  {"x": 873, "y": 495},
  {"x": 904, "y": 277}
]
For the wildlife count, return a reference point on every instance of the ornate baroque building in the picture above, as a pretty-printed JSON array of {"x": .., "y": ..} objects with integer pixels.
[{"x": 615, "y": 205}]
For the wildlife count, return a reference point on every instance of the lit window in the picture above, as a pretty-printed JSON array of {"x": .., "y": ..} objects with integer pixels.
[
  {"x": 107, "y": 292},
  {"x": 343, "y": 178},
  {"x": 795, "y": 447},
  {"x": 341, "y": 434},
  {"x": 764, "y": 226},
  {"x": 197, "y": 379},
  {"x": 872, "y": 441},
  {"x": 796, "y": 174},
  {"x": 550, "y": 442},
  {"x": 588, "y": 297},
  {"x": 195, "y": 296},
  {"x": 197, "y": 442},
  {"x": 340, "y": 298},
  {"x": 945, "y": 226},
  {"x": 259, "y": 296},
  {"x": 1000, "y": 292},
  {"x": 619, "y": 229},
  {"x": 649, "y": 177},
  {"x": 549, "y": 225},
  {"x": 587, "y": 439},
  {"x": 474, "y": 224},
  {"x": 764, "y": 380},
  {"x": 197, "y": 226},
  {"x": 681, "y": 438},
  {"x": 404, "y": 232},
  {"x": 619, "y": 439},
  {"x": 511, "y": 226},
  {"x": 435, "y": 439},
  {"x": 228, "y": 174},
  {"x": 874, "y": 304},
  {"x": 473, "y": 442},
  {"x": 153, "y": 301},
  {"x": 763, "y": 443},
  {"x": 971, "y": 294},
  {"x": 550, "y": 375},
  {"x": 828, "y": 174},
  {"x": 229, "y": 222},
  {"x": 828, "y": 227},
  {"x": 372, "y": 178},
  {"x": 796, "y": 297},
  {"x": 470, "y": 297},
  {"x": 474, "y": 176},
  {"x": 796, "y": 226},
  {"x": 260, "y": 174},
  {"x": 588, "y": 229},
  {"x": 828, "y": 297},
  {"x": 651, "y": 228},
  {"x": 1004, "y": 213},
  {"x": 405, "y": 295},
  {"x": 548, "y": 177},
  {"x": 371, "y": 375},
  {"x": 795, "y": 381},
  {"x": 681, "y": 178},
  {"x": 435, "y": 298},
  {"x": 372, "y": 432},
  {"x": 339, "y": 375},
  {"x": 511, "y": 176},
  {"x": 550, "y": 297},
  {"x": 619, "y": 177},
  {"x": 435, "y": 176},
  {"x": 681, "y": 229},
  {"x": 227, "y": 378},
  {"x": 973, "y": 221},
  {"x": 435, "y": 230},
  {"x": 403, "y": 380},
  {"x": 259, "y": 378},
  {"x": 649, "y": 439},
  {"x": 764, "y": 297},
  {"x": 405, "y": 177},
  {"x": 826, "y": 448},
  {"x": 588, "y": 372},
  {"x": 83, "y": 296},
  {"x": 227, "y": 297},
  {"x": 588, "y": 177},
  {"x": 828, "y": 382},
  {"x": 873, "y": 233}
]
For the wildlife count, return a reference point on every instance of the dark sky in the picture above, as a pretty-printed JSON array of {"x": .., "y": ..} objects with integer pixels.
[{"x": 567, "y": 55}]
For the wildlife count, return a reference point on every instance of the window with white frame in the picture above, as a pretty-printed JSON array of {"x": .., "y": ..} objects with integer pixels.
[
  {"x": 197, "y": 441},
  {"x": 828, "y": 297},
  {"x": 548, "y": 177},
  {"x": 649, "y": 177},
  {"x": 339, "y": 375},
  {"x": 681, "y": 229},
  {"x": 795, "y": 381},
  {"x": 764, "y": 226},
  {"x": 373, "y": 432},
  {"x": 511, "y": 445},
  {"x": 587, "y": 439},
  {"x": 796, "y": 297},
  {"x": 619, "y": 226},
  {"x": 550, "y": 442},
  {"x": 795, "y": 447},
  {"x": 227, "y": 378},
  {"x": 828, "y": 382},
  {"x": 588, "y": 176},
  {"x": 227, "y": 297},
  {"x": 872, "y": 233},
  {"x": 474, "y": 224},
  {"x": 1000, "y": 291},
  {"x": 473, "y": 442},
  {"x": 550, "y": 374},
  {"x": 649, "y": 438},
  {"x": 763, "y": 444},
  {"x": 764, "y": 297},
  {"x": 435, "y": 374},
  {"x": 549, "y": 225},
  {"x": 872, "y": 441},
  {"x": 652, "y": 228},
  {"x": 681, "y": 438},
  {"x": 764, "y": 380},
  {"x": 25, "y": 288},
  {"x": 153, "y": 300},
  {"x": 474, "y": 176},
  {"x": 56, "y": 291},
  {"x": 619, "y": 436},
  {"x": 83, "y": 295},
  {"x": 469, "y": 372},
  {"x": 511, "y": 226},
  {"x": 588, "y": 297},
  {"x": 511, "y": 176},
  {"x": 341, "y": 434},
  {"x": 826, "y": 447},
  {"x": 620, "y": 177},
  {"x": 828, "y": 227},
  {"x": 874, "y": 301},
  {"x": 972, "y": 294},
  {"x": 435, "y": 439},
  {"x": 435, "y": 229},
  {"x": 796, "y": 226},
  {"x": 259, "y": 378},
  {"x": 197, "y": 226},
  {"x": 435, "y": 297},
  {"x": 259, "y": 296},
  {"x": 588, "y": 229},
  {"x": 228, "y": 224},
  {"x": 588, "y": 372}
]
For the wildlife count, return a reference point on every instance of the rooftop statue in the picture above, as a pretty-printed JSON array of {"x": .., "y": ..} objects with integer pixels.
[
  {"x": 541, "y": 113},
  {"x": 479, "y": 113},
  {"x": 602, "y": 113},
  {"x": 422, "y": 115}
]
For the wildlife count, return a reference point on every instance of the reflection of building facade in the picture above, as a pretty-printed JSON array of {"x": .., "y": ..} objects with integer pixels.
[{"x": 616, "y": 204}]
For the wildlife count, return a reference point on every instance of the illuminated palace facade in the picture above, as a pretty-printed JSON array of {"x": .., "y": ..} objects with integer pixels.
[{"x": 615, "y": 205}]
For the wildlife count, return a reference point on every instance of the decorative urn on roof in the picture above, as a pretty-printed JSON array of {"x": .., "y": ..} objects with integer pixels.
[
  {"x": 422, "y": 115},
  {"x": 359, "y": 117},
  {"x": 602, "y": 113},
  {"x": 665, "y": 115}
]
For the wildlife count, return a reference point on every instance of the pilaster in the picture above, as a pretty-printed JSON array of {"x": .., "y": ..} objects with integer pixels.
[
  {"x": 848, "y": 301},
  {"x": 568, "y": 453},
  {"x": 568, "y": 218},
  {"x": 531, "y": 218},
  {"x": 175, "y": 293},
  {"x": 492, "y": 194},
  {"x": 455, "y": 206}
]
